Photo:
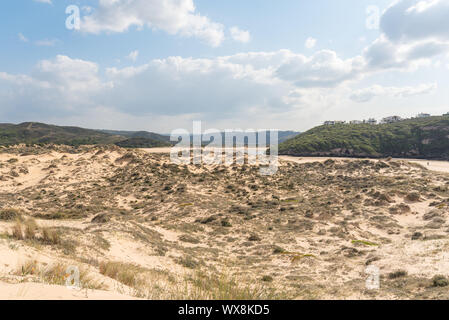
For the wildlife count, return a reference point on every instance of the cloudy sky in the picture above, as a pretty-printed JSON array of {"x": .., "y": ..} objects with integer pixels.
[{"x": 159, "y": 64}]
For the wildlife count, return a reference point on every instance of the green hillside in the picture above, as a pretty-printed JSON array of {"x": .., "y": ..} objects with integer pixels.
[
  {"x": 142, "y": 143},
  {"x": 139, "y": 134},
  {"x": 414, "y": 138},
  {"x": 40, "y": 133}
]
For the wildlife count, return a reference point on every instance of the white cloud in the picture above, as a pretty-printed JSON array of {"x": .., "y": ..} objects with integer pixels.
[
  {"x": 410, "y": 20},
  {"x": 43, "y": 1},
  {"x": 176, "y": 17},
  {"x": 223, "y": 87},
  {"x": 133, "y": 55},
  {"x": 212, "y": 87},
  {"x": 87, "y": 9},
  {"x": 240, "y": 35},
  {"x": 59, "y": 87},
  {"x": 46, "y": 42},
  {"x": 242, "y": 86},
  {"x": 22, "y": 37},
  {"x": 413, "y": 32},
  {"x": 274, "y": 86},
  {"x": 69, "y": 75},
  {"x": 367, "y": 94},
  {"x": 310, "y": 43},
  {"x": 323, "y": 69}
]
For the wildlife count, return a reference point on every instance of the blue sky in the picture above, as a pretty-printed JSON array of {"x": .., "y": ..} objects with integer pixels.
[{"x": 159, "y": 64}]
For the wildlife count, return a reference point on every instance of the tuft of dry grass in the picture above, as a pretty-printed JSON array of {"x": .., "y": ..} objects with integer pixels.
[
  {"x": 10, "y": 214},
  {"x": 413, "y": 196},
  {"x": 206, "y": 286},
  {"x": 126, "y": 273},
  {"x": 56, "y": 274},
  {"x": 17, "y": 231},
  {"x": 31, "y": 228},
  {"x": 51, "y": 236},
  {"x": 155, "y": 284}
]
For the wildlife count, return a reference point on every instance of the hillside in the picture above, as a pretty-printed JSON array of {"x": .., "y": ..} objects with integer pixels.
[
  {"x": 138, "y": 134},
  {"x": 40, "y": 133},
  {"x": 228, "y": 138},
  {"x": 286, "y": 135},
  {"x": 414, "y": 138},
  {"x": 138, "y": 142}
]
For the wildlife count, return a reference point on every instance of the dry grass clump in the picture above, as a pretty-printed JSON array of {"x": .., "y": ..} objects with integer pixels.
[
  {"x": 224, "y": 287},
  {"x": 56, "y": 274},
  {"x": 188, "y": 262},
  {"x": 440, "y": 281},
  {"x": 146, "y": 283},
  {"x": 17, "y": 231},
  {"x": 126, "y": 273},
  {"x": 31, "y": 228},
  {"x": 397, "y": 274},
  {"x": 31, "y": 231},
  {"x": 51, "y": 236},
  {"x": 413, "y": 196},
  {"x": 10, "y": 214},
  {"x": 155, "y": 284},
  {"x": 189, "y": 239}
]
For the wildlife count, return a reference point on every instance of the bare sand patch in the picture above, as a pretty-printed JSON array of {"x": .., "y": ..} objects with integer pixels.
[{"x": 40, "y": 291}]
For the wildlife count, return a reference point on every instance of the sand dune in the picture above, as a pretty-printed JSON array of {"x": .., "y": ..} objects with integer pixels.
[
  {"x": 138, "y": 226},
  {"x": 39, "y": 291},
  {"x": 434, "y": 165}
]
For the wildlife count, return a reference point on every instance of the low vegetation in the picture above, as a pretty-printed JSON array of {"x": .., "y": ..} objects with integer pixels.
[
  {"x": 41, "y": 134},
  {"x": 56, "y": 274}
]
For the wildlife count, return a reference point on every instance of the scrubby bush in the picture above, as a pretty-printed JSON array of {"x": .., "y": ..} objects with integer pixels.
[
  {"x": 10, "y": 214},
  {"x": 397, "y": 274},
  {"x": 440, "y": 281}
]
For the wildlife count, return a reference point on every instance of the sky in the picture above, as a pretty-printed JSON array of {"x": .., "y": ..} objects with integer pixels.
[{"x": 159, "y": 65}]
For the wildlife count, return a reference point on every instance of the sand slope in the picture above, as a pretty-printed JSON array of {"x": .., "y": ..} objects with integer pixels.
[{"x": 39, "y": 291}]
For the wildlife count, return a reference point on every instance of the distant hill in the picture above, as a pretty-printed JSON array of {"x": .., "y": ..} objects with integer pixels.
[
  {"x": 286, "y": 135},
  {"x": 138, "y": 134},
  {"x": 282, "y": 136},
  {"x": 40, "y": 133},
  {"x": 415, "y": 138},
  {"x": 142, "y": 143}
]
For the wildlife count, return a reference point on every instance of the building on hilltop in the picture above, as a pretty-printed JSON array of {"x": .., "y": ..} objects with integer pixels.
[
  {"x": 423, "y": 115},
  {"x": 331, "y": 123},
  {"x": 391, "y": 119},
  {"x": 334, "y": 122},
  {"x": 370, "y": 121}
]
